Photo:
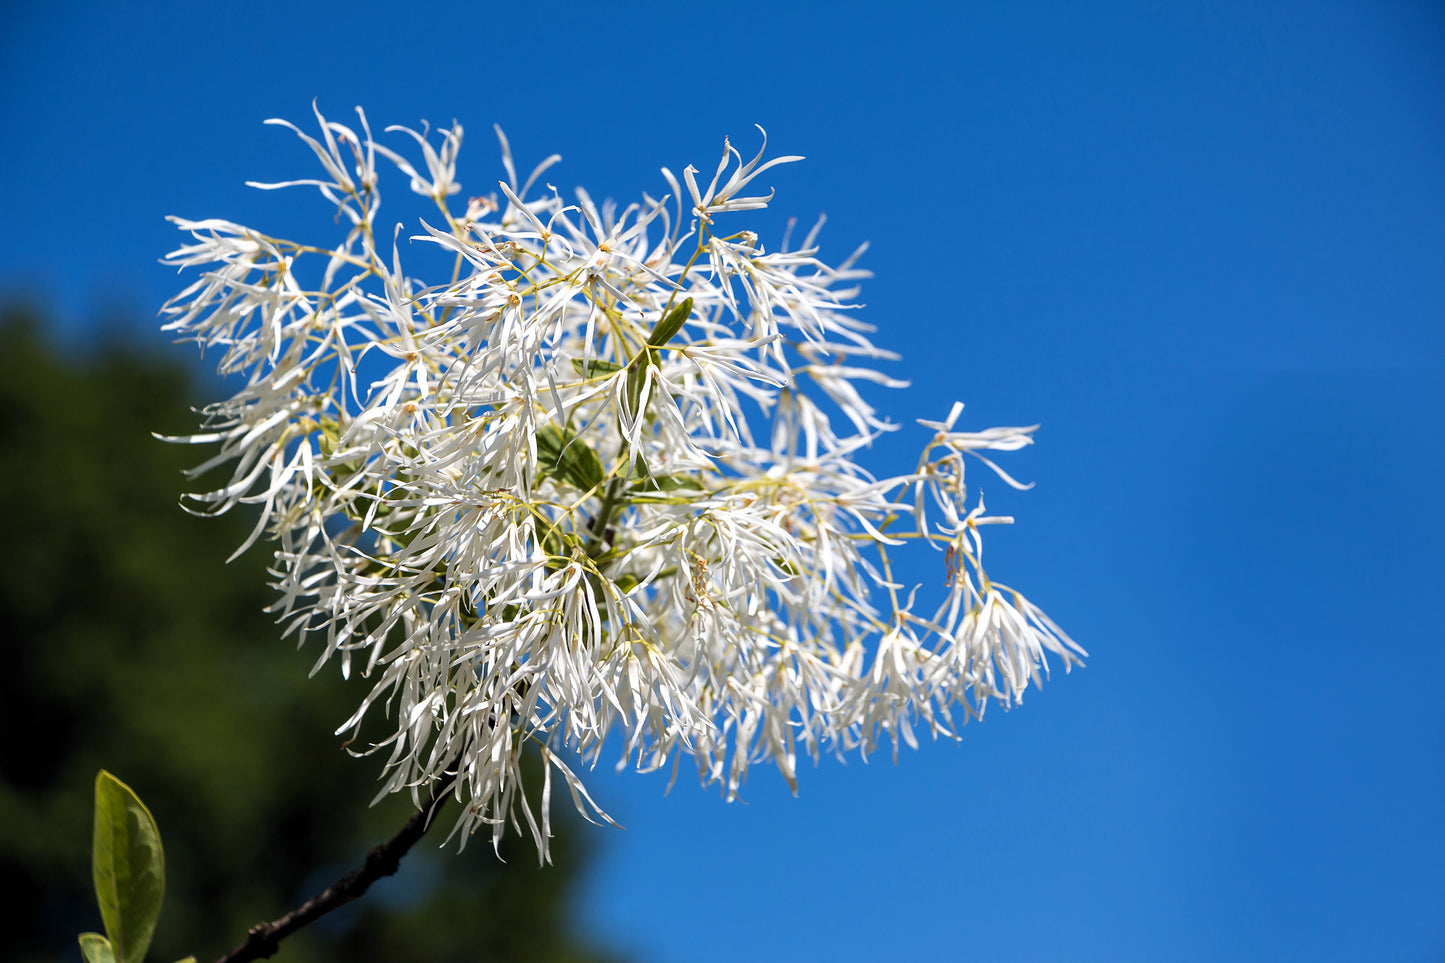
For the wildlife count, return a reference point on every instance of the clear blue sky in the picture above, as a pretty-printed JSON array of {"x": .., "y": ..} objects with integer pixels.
[{"x": 1202, "y": 243}]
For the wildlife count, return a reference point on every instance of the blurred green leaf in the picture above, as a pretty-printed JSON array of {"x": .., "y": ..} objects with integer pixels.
[
  {"x": 129, "y": 868},
  {"x": 96, "y": 949}
]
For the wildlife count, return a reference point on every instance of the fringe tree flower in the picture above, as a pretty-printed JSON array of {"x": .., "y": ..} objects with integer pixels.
[{"x": 597, "y": 480}]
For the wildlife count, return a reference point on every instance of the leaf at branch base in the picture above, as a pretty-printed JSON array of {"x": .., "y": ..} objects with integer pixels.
[
  {"x": 129, "y": 868},
  {"x": 95, "y": 948}
]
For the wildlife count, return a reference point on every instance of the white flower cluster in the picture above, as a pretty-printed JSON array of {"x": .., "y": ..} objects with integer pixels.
[{"x": 597, "y": 481}]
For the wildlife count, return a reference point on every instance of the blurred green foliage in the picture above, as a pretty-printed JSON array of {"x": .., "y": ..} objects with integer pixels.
[{"x": 130, "y": 645}]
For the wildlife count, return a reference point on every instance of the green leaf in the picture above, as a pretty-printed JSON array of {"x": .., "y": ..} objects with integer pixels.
[
  {"x": 562, "y": 454},
  {"x": 129, "y": 867},
  {"x": 636, "y": 376},
  {"x": 189, "y": 959},
  {"x": 96, "y": 948},
  {"x": 671, "y": 324},
  {"x": 595, "y": 369}
]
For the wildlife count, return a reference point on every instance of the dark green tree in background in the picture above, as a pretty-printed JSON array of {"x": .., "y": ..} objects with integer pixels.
[{"x": 129, "y": 645}]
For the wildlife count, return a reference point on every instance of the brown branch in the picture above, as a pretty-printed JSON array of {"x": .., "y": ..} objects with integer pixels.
[{"x": 264, "y": 939}]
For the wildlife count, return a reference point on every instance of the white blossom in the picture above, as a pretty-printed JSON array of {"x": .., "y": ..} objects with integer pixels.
[{"x": 590, "y": 484}]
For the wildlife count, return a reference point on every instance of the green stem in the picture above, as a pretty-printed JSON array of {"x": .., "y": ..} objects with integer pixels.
[{"x": 603, "y": 518}]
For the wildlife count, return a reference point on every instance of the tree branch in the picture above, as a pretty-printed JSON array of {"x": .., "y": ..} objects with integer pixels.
[{"x": 264, "y": 939}]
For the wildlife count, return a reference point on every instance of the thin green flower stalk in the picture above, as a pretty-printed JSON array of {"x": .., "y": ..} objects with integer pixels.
[{"x": 598, "y": 481}]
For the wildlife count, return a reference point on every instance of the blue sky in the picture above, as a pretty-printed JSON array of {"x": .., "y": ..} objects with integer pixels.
[{"x": 1203, "y": 244}]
